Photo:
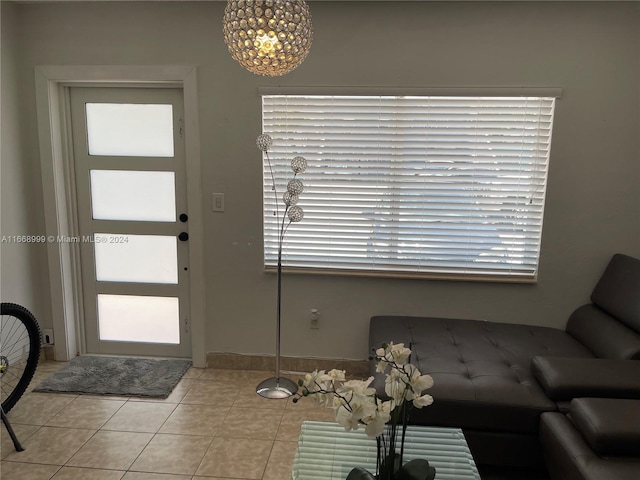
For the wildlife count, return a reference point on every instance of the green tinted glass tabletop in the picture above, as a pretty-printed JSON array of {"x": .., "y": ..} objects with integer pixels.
[{"x": 326, "y": 451}]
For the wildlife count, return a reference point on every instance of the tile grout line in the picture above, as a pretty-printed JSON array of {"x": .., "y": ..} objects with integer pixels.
[
  {"x": 158, "y": 433},
  {"x": 273, "y": 443},
  {"x": 154, "y": 434},
  {"x": 236, "y": 403}
]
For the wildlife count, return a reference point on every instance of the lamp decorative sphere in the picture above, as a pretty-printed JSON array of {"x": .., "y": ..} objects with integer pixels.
[
  {"x": 268, "y": 37},
  {"x": 295, "y": 187},
  {"x": 298, "y": 165},
  {"x": 290, "y": 199},
  {"x": 264, "y": 142},
  {"x": 295, "y": 214}
]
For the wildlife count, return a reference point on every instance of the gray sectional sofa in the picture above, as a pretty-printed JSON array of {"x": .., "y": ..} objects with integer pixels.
[{"x": 496, "y": 380}]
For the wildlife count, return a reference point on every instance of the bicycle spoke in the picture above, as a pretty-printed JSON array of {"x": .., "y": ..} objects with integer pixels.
[
  {"x": 17, "y": 328},
  {"x": 19, "y": 352}
]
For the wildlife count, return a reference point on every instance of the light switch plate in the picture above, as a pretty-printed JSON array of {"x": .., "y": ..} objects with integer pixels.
[{"x": 217, "y": 202}]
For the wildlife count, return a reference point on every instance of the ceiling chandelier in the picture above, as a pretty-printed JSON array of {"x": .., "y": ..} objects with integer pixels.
[{"x": 268, "y": 37}]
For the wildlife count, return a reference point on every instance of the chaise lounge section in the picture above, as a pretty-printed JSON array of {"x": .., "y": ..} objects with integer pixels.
[{"x": 495, "y": 380}]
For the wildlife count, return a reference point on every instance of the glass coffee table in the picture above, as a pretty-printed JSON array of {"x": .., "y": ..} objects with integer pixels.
[{"x": 326, "y": 451}]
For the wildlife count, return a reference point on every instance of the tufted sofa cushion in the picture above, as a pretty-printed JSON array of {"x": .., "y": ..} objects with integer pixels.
[{"x": 481, "y": 370}]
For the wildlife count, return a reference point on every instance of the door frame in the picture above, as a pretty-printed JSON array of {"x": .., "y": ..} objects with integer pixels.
[{"x": 58, "y": 194}]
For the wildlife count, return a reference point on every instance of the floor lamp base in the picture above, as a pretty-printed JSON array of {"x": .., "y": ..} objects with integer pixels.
[{"x": 276, "y": 387}]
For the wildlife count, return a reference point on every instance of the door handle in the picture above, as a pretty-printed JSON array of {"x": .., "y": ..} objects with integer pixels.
[{"x": 183, "y": 236}]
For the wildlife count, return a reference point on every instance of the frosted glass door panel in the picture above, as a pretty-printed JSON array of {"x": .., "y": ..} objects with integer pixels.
[
  {"x": 128, "y": 318},
  {"x": 130, "y": 130},
  {"x": 136, "y": 258},
  {"x": 133, "y": 195}
]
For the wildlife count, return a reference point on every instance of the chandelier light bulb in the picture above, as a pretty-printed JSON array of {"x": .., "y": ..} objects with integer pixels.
[{"x": 268, "y": 37}]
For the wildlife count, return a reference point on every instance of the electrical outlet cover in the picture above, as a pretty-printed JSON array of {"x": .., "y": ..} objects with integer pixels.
[{"x": 47, "y": 336}]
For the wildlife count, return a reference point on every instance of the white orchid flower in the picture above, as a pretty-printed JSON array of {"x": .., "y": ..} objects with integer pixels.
[
  {"x": 311, "y": 380},
  {"x": 381, "y": 367},
  {"x": 357, "y": 387},
  {"x": 423, "y": 401},
  {"x": 418, "y": 382},
  {"x": 397, "y": 354},
  {"x": 395, "y": 386},
  {"x": 324, "y": 381},
  {"x": 324, "y": 399},
  {"x": 328, "y": 380},
  {"x": 376, "y": 422},
  {"x": 359, "y": 407},
  {"x": 375, "y": 428},
  {"x": 346, "y": 419},
  {"x": 336, "y": 375}
]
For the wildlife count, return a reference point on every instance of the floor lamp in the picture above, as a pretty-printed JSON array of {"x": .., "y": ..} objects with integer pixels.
[{"x": 279, "y": 387}]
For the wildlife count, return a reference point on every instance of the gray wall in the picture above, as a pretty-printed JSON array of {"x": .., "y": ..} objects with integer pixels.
[
  {"x": 21, "y": 263},
  {"x": 591, "y": 50}
]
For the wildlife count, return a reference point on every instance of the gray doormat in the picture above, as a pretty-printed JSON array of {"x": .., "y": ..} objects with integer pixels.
[{"x": 125, "y": 376}]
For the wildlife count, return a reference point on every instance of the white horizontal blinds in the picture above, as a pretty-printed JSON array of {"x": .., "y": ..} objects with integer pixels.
[{"x": 412, "y": 184}]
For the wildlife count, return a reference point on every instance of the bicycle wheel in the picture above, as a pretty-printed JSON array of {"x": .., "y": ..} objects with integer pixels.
[{"x": 19, "y": 352}]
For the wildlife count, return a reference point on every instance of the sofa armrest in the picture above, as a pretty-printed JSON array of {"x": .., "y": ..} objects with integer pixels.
[
  {"x": 569, "y": 456},
  {"x": 617, "y": 290},
  {"x": 609, "y": 426},
  {"x": 602, "y": 334},
  {"x": 564, "y": 378}
]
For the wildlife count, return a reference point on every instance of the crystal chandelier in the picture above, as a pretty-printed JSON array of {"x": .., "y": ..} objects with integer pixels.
[{"x": 268, "y": 37}]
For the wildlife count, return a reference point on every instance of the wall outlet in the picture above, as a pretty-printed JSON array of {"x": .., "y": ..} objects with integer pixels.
[
  {"x": 47, "y": 336},
  {"x": 315, "y": 318}
]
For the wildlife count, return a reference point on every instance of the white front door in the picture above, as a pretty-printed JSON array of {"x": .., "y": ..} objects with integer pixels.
[{"x": 129, "y": 169}]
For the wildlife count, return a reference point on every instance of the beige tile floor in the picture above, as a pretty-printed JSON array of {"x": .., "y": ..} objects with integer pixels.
[{"x": 213, "y": 426}]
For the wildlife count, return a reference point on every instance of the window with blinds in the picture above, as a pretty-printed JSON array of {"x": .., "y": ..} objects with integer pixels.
[{"x": 428, "y": 186}]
